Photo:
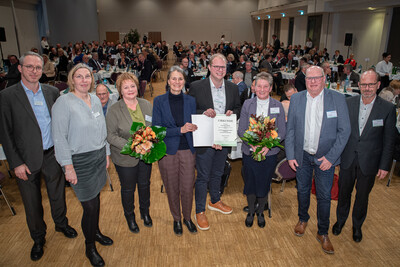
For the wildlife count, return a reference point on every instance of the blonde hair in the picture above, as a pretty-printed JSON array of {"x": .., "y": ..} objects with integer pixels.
[
  {"x": 123, "y": 77},
  {"x": 71, "y": 77}
]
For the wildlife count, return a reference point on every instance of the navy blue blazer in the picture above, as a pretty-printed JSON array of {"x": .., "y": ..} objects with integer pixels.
[
  {"x": 335, "y": 128},
  {"x": 162, "y": 116}
]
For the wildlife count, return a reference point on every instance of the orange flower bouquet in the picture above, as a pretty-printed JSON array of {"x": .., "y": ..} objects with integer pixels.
[
  {"x": 261, "y": 133},
  {"x": 146, "y": 143}
]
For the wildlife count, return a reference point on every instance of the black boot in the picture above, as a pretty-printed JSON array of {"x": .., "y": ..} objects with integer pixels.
[
  {"x": 93, "y": 255},
  {"x": 133, "y": 227},
  {"x": 102, "y": 239}
]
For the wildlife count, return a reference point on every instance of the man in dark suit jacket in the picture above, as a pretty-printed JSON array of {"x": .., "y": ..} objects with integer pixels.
[
  {"x": 214, "y": 95},
  {"x": 94, "y": 63},
  {"x": 368, "y": 152},
  {"x": 13, "y": 76},
  {"x": 350, "y": 74},
  {"x": 145, "y": 68},
  {"x": 318, "y": 128},
  {"x": 26, "y": 138},
  {"x": 337, "y": 57},
  {"x": 277, "y": 44},
  {"x": 300, "y": 80}
]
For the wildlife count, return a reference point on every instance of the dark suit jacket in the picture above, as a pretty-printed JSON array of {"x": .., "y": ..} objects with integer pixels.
[
  {"x": 354, "y": 78},
  {"x": 300, "y": 82},
  {"x": 339, "y": 59},
  {"x": 246, "y": 94},
  {"x": 201, "y": 91},
  {"x": 249, "y": 108},
  {"x": 162, "y": 116},
  {"x": 145, "y": 69},
  {"x": 93, "y": 65},
  {"x": 20, "y": 134},
  {"x": 13, "y": 75},
  {"x": 374, "y": 148},
  {"x": 335, "y": 130}
]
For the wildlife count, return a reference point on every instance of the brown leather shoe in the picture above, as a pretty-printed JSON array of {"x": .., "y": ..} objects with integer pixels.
[
  {"x": 201, "y": 221},
  {"x": 220, "y": 206},
  {"x": 326, "y": 244},
  {"x": 300, "y": 228}
]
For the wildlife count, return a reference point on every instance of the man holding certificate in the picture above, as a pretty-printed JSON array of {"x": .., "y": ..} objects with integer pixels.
[{"x": 214, "y": 95}]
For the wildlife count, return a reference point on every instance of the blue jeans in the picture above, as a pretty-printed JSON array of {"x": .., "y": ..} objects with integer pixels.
[
  {"x": 210, "y": 167},
  {"x": 323, "y": 186}
]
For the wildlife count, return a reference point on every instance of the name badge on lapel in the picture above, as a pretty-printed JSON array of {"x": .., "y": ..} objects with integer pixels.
[
  {"x": 331, "y": 114},
  {"x": 377, "y": 123},
  {"x": 148, "y": 118},
  {"x": 38, "y": 103},
  {"x": 274, "y": 110},
  {"x": 96, "y": 114}
]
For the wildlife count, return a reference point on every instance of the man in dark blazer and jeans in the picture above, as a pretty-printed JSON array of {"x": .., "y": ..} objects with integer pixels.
[
  {"x": 368, "y": 152},
  {"x": 25, "y": 123},
  {"x": 214, "y": 95}
]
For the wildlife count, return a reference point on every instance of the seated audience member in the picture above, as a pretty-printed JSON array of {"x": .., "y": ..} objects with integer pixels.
[
  {"x": 53, "y": 55},
  {"x": 231, "y": 65},
  {"x": 145, "y": 68},
  {"x": 49, "y": 70},
  {"x": 348, "y": 73},
  {"x": 203, "y": 62},
  {"x": 328, "y": 72},
  {"x": 241, "y": 66},
  {"x": 289, "y": 90},
  {"x": 176, "y": 50},
  {"x": 291, "y": 62},
  {"x": 94, "y": 62},
  {"x": 248, "y": 93},
  {"x": 237, "y": 78},
  {"x": 13, "y": 75},
  {"x": 188, "y": 72},
  {"x": 351, "y": 61},
  {"x": 85, "y": 60},
  {"x": 249, "y": 73},
  {"x": 192, "y": 61},
  {"x": 35, "y": 50},
  {"x": 123, "y": 62},
  {"x": 150, "y": 57},
  {"x": 392, "y": 92},
  {"x": 104, "y": 95},
  {"x": 266, "y": 64},
  {"x": 384, "y": 69},
  {"x": 325, "y": 54},
  {"x": 78, "y": 57},
  {"x": 300, "y": 80},
  {"x": 316, "y": 60},
  {"x": 337, "y": 57},
  {"x": 62, "y": 61}
]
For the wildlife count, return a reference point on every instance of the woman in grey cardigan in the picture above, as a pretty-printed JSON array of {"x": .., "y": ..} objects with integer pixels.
[
  {"x": 131, "y": 171},
  {"x": 79, "y": 133}
]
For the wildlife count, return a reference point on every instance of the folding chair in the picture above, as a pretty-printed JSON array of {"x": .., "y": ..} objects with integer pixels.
[
  {"x": 2, "y": 176},
  {"x": 284, "y": 172}
]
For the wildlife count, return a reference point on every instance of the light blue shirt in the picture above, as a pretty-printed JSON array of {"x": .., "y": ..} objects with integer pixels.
[
  {"x": 42, "y": 114},
  {"x": 219, "y": 98}
]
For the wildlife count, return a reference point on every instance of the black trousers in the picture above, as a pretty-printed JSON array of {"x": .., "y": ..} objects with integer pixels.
[
  {"x": 32, "y": 196},
  {"x": 129, "y": 177},
  {"x": 364, "y": 183}
]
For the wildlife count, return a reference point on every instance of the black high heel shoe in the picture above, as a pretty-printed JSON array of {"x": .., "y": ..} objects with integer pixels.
[
  {"x": 93, "y": 255},
  {"x": 147, "y": 220}
]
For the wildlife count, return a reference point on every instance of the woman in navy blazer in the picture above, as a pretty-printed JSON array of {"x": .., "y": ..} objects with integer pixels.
[
  {"x": 173, "y": 110},
  {"x": 258, "y": 175}
]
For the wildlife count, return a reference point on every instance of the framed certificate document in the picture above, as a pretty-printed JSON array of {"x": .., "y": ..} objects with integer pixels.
[{"x": 220, "y": 130}]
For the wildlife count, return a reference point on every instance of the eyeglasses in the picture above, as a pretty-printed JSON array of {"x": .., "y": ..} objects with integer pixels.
[
  {"x": 102, "y": 94},
  {"x": 31, "y": 68},
  {"x": 365, "y": 85},
  {"x": 81, "y": 77},
  {"x": 313, "y": 79},
  {"x": 218, "y": 67}
]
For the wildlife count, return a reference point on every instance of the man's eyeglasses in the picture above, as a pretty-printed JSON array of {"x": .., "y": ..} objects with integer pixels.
[
  {"x": 31, "y": 68},
  {"x": 313, "y": 79},
  {"x": 218, "y": 67},
  {"x": 369, "y": 85}
]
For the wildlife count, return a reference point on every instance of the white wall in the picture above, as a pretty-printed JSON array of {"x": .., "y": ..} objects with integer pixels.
[
  {"x": 183, "y": 20},
  {"x": 284, "y": 31},
  {"x": 300, "y": 30},
  {"x": 367, "y": 28},
  {"x": 28, "y": 30}
]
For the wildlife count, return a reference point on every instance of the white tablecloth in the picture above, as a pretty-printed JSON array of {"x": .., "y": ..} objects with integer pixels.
[{"x": 288, "y": 75}]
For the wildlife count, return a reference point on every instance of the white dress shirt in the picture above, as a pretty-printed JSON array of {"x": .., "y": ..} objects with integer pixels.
[
  {"x": 313, "y": 122},
  {"x": 382, "y": 67},
  {"x": 363, "y": 115}
]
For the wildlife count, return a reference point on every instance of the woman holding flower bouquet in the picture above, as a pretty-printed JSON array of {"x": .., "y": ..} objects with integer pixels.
[
  {"x": 131, "y": 170},
  {"x": 261, "y": 127},
  {"x": 173, "y": 110}
]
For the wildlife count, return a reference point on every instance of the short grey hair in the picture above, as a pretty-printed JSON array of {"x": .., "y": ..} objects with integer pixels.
[
  {"x": 264, "y": 76},
  {"x": 316, "y": 67},
  {"x": 30, "y": 53},
  {"x": 238, "y": 74},
  {"x": 377, "y": 76},
  {"x": 178, "y": 69}
]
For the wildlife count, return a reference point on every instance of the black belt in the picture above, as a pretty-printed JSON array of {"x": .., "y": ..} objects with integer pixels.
[{"x": 48, "y": 150}]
